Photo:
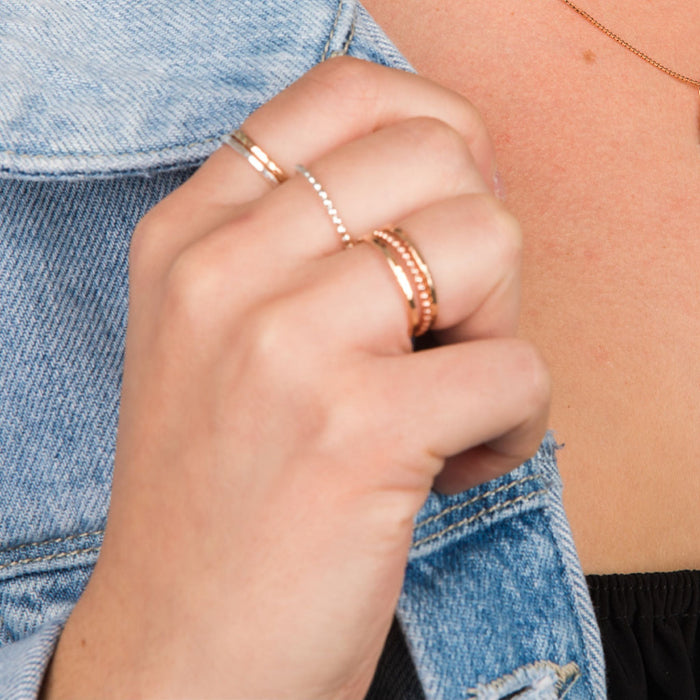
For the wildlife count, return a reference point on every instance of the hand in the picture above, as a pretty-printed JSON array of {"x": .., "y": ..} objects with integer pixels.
[{"x": 277, "y": 435}]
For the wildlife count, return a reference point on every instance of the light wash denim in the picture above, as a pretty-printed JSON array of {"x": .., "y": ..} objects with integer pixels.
[{"x": 105, "y": 107}]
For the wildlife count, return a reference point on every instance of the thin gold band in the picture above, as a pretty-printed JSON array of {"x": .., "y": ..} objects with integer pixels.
[
  {"x": 256, "y": 157},
  {"x": 401, "y": 278}
]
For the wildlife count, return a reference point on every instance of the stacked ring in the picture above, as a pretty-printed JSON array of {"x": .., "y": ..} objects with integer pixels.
[
  {"x": 245, "y": 146},
  {"x": 345, "y": 238},
  {"x": 405, "y": 262},
  {"x": 412, "y": 275}
]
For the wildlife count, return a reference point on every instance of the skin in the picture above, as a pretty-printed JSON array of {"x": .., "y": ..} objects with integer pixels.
[
  {"x": 599, "y": 152},
  {"x": 599, "y": 155},
  {"x": 264, "y": 479}
]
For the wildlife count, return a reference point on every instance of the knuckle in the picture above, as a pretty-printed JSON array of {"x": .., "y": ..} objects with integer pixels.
[
  {"x": 506, "y": 234},
  {"x": 268, "y": 327},
  {"x": 500, "y": 230},
  {"x": 274, "y": 359},
  {"x": 248, "y": 223},
  {"x": 278, "y": 321},
  {"x": 273, "y": 332},
  {"x": 352, "y": 81},
  {"x": 472, "y": 122},
  {"x": 146, "y": 240},
  {"x": 441, "y": 146},
  {"x": 192, "y": 286},
  {"x": 533, "y": 375}
]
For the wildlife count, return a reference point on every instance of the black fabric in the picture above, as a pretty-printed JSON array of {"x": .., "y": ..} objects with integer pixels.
[
  {"x": 651, "y": 637},
  {"x": 396, "y": 677}
]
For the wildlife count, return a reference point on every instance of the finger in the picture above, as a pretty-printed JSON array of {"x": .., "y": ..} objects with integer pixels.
[
  {"x": 472, "y": 246},
  {"x": 336, "y": 102},
  {"x": 485, "y": 401},
  {"x": 343, "y": 99},
  {"x": 381, "y": 177},
  {"x": 352, "y": 299}
]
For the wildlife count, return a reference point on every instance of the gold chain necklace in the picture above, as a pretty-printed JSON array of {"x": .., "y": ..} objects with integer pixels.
[{"x": 674, "y": 74}]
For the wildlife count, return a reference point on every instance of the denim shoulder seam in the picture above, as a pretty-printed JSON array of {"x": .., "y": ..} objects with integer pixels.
[
  {"x": 480, "y": 514},
  {"x": 327, "y": 53},
  {"x": 109, "y": 155},
  {"x": 49, "y": 557},
  {"x": 55, "y": 540}
]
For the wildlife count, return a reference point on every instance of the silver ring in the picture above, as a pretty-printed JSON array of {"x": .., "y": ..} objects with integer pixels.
[{"x": 345, "y": 238}]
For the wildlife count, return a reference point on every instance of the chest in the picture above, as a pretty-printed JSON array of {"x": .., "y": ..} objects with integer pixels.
[{"x": 600, "y": 155}]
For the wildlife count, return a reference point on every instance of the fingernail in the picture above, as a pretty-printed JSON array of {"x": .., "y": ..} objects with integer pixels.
[{"x": 499, "y": 187}]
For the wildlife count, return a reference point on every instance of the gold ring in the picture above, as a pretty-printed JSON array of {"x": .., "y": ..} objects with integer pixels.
[
  {"x": 245, "y": 146},
  {"x": 412, "y": 275},
  {"x": 422, "y": 280},
  {"x": 401, "y": 278}
]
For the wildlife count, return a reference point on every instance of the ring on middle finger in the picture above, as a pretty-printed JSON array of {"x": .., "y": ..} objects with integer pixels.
[{"x": 345, "y": 238}]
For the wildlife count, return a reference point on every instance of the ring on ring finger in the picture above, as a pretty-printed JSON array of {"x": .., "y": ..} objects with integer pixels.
[{"x": 412, "y": 275}]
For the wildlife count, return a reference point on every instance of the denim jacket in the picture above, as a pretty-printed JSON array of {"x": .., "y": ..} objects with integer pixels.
[{"x": 104, "y": 109}]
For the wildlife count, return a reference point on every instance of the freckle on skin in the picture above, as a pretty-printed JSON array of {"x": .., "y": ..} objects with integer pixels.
[{"x": 589, "y": 56}]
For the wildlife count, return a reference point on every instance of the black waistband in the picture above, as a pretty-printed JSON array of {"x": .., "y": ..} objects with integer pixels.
[
  {"x": 626, "y": 596},
  {"x": 651, "y": 636}
]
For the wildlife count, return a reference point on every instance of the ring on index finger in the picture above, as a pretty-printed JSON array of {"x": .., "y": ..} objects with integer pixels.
[{"x": 245, "y": 146}]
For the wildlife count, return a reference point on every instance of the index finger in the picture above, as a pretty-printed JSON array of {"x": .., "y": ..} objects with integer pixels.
[
  {"x": 345, "y": 98},
  {"x": 335, "y": 102}
]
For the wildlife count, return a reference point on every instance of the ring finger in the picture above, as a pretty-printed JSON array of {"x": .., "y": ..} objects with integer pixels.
[{"x": 472, "y": 247}]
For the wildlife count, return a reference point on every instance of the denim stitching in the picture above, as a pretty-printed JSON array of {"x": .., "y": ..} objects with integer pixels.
[
  {"x": 457, "y": 506},
  {"x": 351, "y": 33},
  {"x": 112, "y": 172},
  {"x": 324, "y": 55},
  {"x": 577, "y": 594},
  {"x": 49, "y": 557},
  {"x": 32, "y": 156},
  {"x": 481, "y": 513},
  {"x": 56, "y": 540}
]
